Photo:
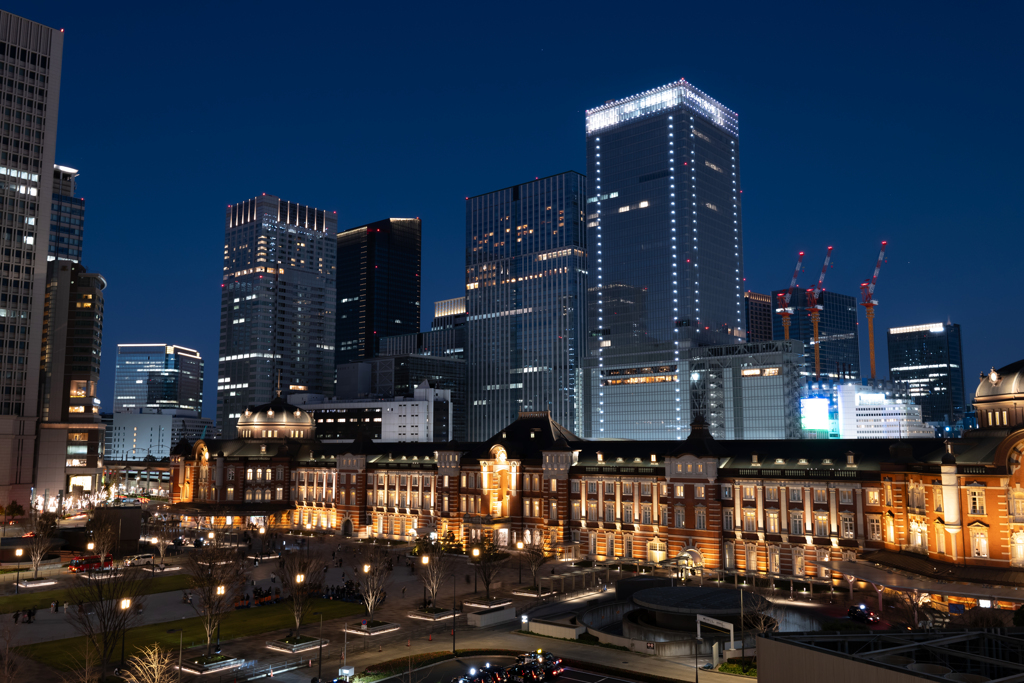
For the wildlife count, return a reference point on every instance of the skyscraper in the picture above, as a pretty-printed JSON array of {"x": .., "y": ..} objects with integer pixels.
[
  {"x": 277, "y": 304},
  {"x": 665, "y": 243},
  {"x": 158, "y": 376},
  {"x": 71, "y": 433},
  {"x": 837, "y": 333},
  {"x": 378, "y": 286},
  {"x": 30, "y": 55},
  {"x": 758, "y": 308},
  {"x": 525, "y": 292},
  {"x": 67, "y": 217},
  {"x": 929, "y": 358}
]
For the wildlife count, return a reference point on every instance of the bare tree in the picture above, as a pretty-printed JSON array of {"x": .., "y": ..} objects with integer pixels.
[
  {"x": 761, "y": 613},
  {"x": 439, "y": 565},
  {"x": 165, "y": 534},
  {"x": 488, "y": 563},
  {"x": 216, "y": 576},
  {"x": 105, "y": 608},
  {"x": 302, "y": 573},
  {"x": 82, "y": 670},
  {"x": 151, "y": 665},
  {"x": 104, "y": 535},
  {"x": 8, "y": 663},
  {"x": 535, "y": 557},
  {"x": 376, "y": 575},
  {"x": 42, "y": 528}
]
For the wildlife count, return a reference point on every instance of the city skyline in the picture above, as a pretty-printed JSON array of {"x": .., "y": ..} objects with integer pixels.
[{"x": 816, "y": 120}]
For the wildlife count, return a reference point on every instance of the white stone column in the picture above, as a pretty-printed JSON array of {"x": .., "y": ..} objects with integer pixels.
[
  {"x": 618, "y": 501},
  {"x": 859, "y": 499},
  {"x": 759, "y": 492},
  {"x": 808, "y": 511},
  {"x": 784, "y": 509},
  {"x": 833, "y": 511}
]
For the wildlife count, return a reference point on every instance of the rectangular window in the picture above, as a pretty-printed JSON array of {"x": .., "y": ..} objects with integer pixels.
[
  {"x": 873, "y": 497},
  {"x": 536, "y": 507},
  {"x": 874, "y": 528},
  {"x": 680, "y": 518},
  {"x": 749, "y": 519},
  {"x": 821, "y": 524},
  {"x": 609, "y": 512},
  {"x": 727, "y": 522},
  {"x": 938, "y": 498},
  {"x": 554, "y": 511},
  {"x": 575, "y": 486},
  {"x": 727, "y": 491},
  {"x": 231, "y": 493},
  {"x": 592, "y": 487},
  {"x": 698, "y": 491},
  {"x": 554, "y": 486},
  {"x": 680, "y": 491},
  {"x": 796, "y": 522},
  {"x": 794, "y": 495},
  {"x": 845, "y": 496},
  {"x": 976, "y": 501},
  {"x": 820, "y": 496},
  {"x": 575, "y": 509},
  {"x": 888, "y": 495},
  {"x": 645, "y": 514},
  {"x": 771, "y": 493},
  {"x": 280, "y": 493},
  {"x": 609, "y": 488},
  {"x": 940, "y": 538},
  {"x": 645, "y": 489},
  {"x": 773, "y": 522},
  {"x": 749, "y": 492},
  {"x": 702, "y": 518},
  {"x": 627, "y": 513},
  {"x": 848, "y": 526},
  {"x": 979, "y": 543}
]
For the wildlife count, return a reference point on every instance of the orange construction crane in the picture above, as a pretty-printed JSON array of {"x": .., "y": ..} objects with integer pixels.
[
  {"x": 815, "y": 308},
  {"x": 784, "y": 309},
  {"x": 867, "y": 292}
]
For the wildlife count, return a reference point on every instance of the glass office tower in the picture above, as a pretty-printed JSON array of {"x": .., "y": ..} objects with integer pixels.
[
  {"x": 67, "y": 217},
  {"x": 665, "y": 236},
  {"x": 525, "y": 287},
  {"x": 759, "y": 316},
  {"x": 929, "y": 358},
  {"x": 378, "y": 286},
  {"x": 837, "y": 333},
  {"x": 277, "y": 304},
  {"x": 149, "y": 376}
]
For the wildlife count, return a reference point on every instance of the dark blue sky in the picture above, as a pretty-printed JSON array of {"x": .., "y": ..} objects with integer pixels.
[{"x": 858, "y": 123}]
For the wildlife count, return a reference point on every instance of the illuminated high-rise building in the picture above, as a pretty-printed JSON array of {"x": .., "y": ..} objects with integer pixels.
[
  {"x": 277, "y": 304},
  {"x": 665, "y": 259},
  {"x": 929, "y": 359},
  {"x": 525, "y": 293},
  {"x": 152, "y": 377},
  {"x": 67, "y": 217},
  {"x": 378, "y": 286},
  {"x": 30, "y": 56},
  {"x": 759, "y": 316}
]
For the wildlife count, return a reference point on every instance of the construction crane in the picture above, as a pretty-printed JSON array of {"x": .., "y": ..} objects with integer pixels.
[
  {"x": 867, "y": 292},
  {"x": 815, "y": 308},
  {"x": 784, "y": 309}
]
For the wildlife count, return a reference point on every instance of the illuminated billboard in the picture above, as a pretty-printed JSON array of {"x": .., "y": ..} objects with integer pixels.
[{"x": 814, "y": 413}]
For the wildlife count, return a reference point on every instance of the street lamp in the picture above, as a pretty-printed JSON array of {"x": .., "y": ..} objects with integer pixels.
[
  {"x": 126, "y": 604},
  {"x": 519, "y": 547},
  {"x": 90, "y": 546},
  {"x": 263, "y": 530},
  {"x": 17, "y": 578},
  {"x": 220, "y": 591},
  {"x": 476, "y": 558},
  {"x": 425, "y": 560}
]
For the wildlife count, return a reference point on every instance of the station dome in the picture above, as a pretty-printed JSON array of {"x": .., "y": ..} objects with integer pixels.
[{"x": 275, "y": 420}]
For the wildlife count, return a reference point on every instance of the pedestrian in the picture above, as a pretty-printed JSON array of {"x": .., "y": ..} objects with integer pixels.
[
  {"x": 17, "y": 613},
  {"x": 273, "y": 577},
  {"x": 65, "y": 607}
]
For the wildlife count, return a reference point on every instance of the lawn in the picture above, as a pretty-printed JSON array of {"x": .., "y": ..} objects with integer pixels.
[
  {"x": 238, "y": 624},
  {"x": 42, "y": 599}
]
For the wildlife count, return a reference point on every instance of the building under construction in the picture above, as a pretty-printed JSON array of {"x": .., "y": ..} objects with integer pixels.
[{"x": 839, "y": 352}]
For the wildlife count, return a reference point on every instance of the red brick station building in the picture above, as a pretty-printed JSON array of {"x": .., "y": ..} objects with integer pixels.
[{"x": 787, "y": 509}]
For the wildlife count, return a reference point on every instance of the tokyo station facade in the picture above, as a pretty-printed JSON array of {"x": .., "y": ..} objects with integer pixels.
[{"x": 771, "y": 508}]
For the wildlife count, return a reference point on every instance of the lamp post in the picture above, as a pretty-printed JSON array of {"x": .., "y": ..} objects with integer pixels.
[
  {"x": 259, "y": 555},
  {"x": 519, "y": 547},
  {"x": 126, "y": 604},
  {"x": 425, "y": 560},
  {"x": 17, "y": 577},
  {"x": 220, "y": 591},
  {"x": 455, "y": 614},
  {"x": 210, "y": 536},
  {"x": 476, "y": 559}
]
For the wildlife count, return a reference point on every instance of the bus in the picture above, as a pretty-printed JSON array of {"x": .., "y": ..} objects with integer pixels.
[{"x": 91, "y": 563}]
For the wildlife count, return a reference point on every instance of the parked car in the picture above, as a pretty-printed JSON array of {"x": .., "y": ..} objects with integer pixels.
[
  {"x": 198, "y": 543},
  {"x": 496, "y": 672},
  {"x": 863, "y": 614},
  {"x": 138, "y": 560}
]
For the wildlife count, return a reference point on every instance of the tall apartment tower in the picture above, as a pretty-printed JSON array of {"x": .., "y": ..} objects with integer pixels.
[
  {"x": 837, "y": 333},
  {"x": 930, "y": 360},
  {"x": 277, "y": 304},
  {"x": 30, "y": 56},
  {"x": 378, "y": 286},
  {"x": 758, "y": 308},
  {"x": 665, "y": 246},
  {"x": 70, "y": 449},
  {"x": 158, "y": 377},
  {"x": 526, "y": 282},
  {"x": 67, "y": 217}
]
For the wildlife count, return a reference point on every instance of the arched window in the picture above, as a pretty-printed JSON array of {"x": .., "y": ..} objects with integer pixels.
[
  {"x": 248, "y": 474},
  {"x": 269, "y": 475},
  {"x": 259, "y": 494},
  {"x": 248, "y": 494}
]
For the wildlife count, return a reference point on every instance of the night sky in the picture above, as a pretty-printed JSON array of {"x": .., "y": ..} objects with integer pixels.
[{"x": 858, "y": 123}]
